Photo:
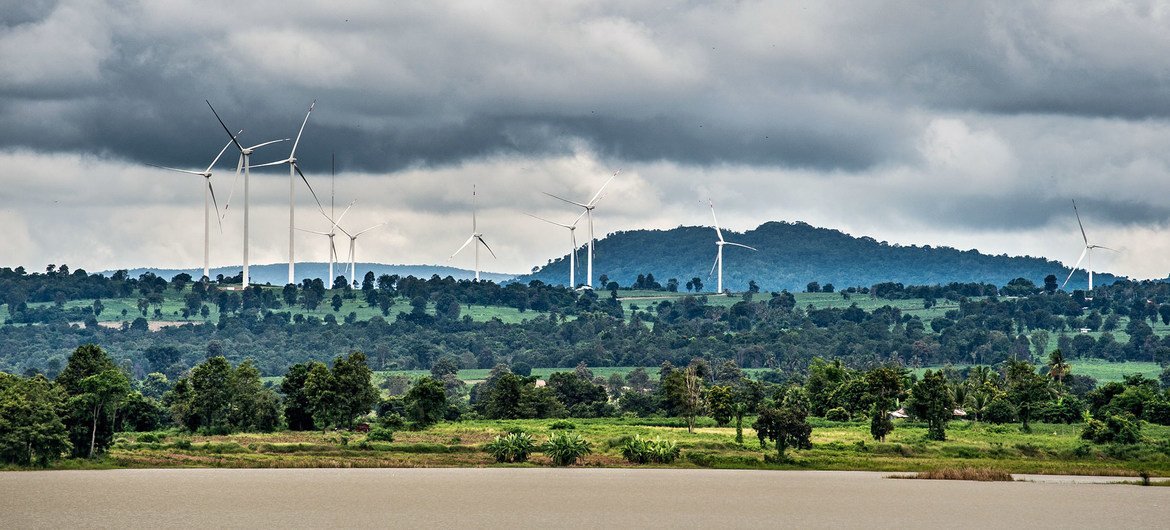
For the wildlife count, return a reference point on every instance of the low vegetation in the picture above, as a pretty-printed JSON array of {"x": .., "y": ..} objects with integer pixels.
[{"x": 963, "y": 473}]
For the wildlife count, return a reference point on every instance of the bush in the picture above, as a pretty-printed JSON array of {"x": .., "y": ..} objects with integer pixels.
[
  {"x": 1120, "y": 429},
  {"x": 1068, "y": 410},
  {"x": 1000, "y": 410},
  {"x": 641, "y": 451},
  {"x": 380, "y": 434},
  {"x": 837, "y": 414},
  {"x": 514, "y": 447},
  {"x": 562, "y": 424},
  {"x": 1158, "y": 412},
  {"x": 392, "y": 421},
  {"x": 566, "y": 449}
]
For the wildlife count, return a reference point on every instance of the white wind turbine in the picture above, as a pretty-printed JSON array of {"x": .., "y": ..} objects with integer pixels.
[
  {"x": 476, "y": 237},
  {"x": 245, "y": 165},
  {"x": 353, "y": 252},
  {"x": 719, "y": 255},
  {"x": 208, "y": 197},
  {"x": 589, "y": 206},
  {"x": 330, "y": 234},
  {"x": 572, "y": 249},
  {"x": 1086, "y": 253},
  {"x": 293, "y": 171}
]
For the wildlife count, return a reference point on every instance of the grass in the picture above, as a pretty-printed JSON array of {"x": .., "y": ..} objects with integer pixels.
[
  {"x": 962, "y": 473},
  {"x": 1049, "y": 449},
  {"x": 1101, "y": 370}
]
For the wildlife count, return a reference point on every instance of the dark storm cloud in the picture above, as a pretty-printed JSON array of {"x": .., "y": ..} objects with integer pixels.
[{"x": 829, "y": 86}]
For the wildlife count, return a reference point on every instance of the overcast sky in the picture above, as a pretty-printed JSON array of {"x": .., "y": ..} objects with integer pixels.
[{"x": 965, "y": 124}]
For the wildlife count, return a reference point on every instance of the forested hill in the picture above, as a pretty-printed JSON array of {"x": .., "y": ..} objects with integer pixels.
[
  {"x": 793, "y": 254},
  {"x": 277, "y": 273}
]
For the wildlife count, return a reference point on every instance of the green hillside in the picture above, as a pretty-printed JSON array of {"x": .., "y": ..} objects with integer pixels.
[{"x": 793, "y": 254}]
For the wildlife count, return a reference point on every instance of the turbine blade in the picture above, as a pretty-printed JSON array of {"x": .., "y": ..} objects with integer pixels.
[
  {"x": 176, "y": 169},
  {"x": 232, "y": 192},
  {"x": 545, "y": 220},
  {"x": 718, "y": 232},
  {"x": 739, "y": 245},
  {"x": 596, "y": 196},
  {"x": 1083, "y": 236},
  {"x": 379, "y": 225},
  {"x": 270, "y": 142},
  {"x": 564, "y": 199},
  {"x": 222, "y": 151},
  {"x": 298, "y": 140},
  {"x": 465, "y": 243},
  {"x": 211, "y": 189},
  {"x": 225, "y": 127},
  {"x": 485, "y": 245},
  {"x": 713, "y": 265},
  {"x": 310, "y": 186},
  {"x": 1104, "y": 248},
  {"x": 267, "y": 164},
  {"x": 1074, "y": 267},
  {"x": 313, "y": 232},
  {"x": 343, "y": 212}
]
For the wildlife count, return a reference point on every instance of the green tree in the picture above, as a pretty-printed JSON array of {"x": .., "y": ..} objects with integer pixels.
[
  {"x": 356, "y": 393},
  {"x": 102, "y": 394},
  {"x": 930, "y": 399},
  {"x": 883, "y": 386},
  {"x": 212, "y": 385},
  {"x": 1057, "y": 367},
  {"x": 297, "y": 408},
  {"x": 721, "y": 401},
  {"x": 426, "y": 402},
  {"x": 85, "y": 361},
  {"x": 321, "y": 395},
  {"x": 1026, "y": 389},
  {"x": 31, "y": 430},
  {"x": 785, "y": 423}
]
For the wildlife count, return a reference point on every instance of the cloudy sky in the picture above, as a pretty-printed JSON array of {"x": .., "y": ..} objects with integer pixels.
[{"x": 966, "y": 124}]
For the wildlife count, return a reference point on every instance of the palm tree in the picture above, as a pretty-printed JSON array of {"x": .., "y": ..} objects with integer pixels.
[{"x": 1057, "y": 368}]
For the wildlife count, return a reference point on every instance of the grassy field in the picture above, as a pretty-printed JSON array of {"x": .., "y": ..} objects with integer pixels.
[
  {"x": 836, "y": 446},
  {"x": 1102, "y": 371}
]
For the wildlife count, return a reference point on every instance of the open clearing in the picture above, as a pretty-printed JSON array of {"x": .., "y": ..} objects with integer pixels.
[{"x": 556, "y": 498}]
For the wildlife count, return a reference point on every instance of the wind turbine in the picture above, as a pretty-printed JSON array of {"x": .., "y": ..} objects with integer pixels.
[
  {"x": 245, "y": 165},
  {"x": 208, "y": 195},
  {"x": 476, "y": 237},
  {"x": 352, "y": 252},
  {"x": 720, "y": 244},
  {"x": 572, "y": 250},
  {"x": 330, "y": 234},
  {"x": 589, "y": 206},
  {"x": 1086, "y": 253},
  {"x": 293, "y": 170}
]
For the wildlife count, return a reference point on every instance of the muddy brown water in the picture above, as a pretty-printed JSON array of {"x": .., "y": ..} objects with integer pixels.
[{"x": 557, "y": 498}]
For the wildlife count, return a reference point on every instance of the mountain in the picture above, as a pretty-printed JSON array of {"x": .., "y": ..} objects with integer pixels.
[
  {"x": 793, "y": 254},
  {"x": 277, "y": 273}
]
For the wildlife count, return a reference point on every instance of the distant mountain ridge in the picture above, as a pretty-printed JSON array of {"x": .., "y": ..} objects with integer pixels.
[
  {"x": 793, "y": 254},
  {"x": 277, "y": 273}
]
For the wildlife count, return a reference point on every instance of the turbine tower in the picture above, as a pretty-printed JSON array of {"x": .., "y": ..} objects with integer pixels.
[
  {"x": 293, "y": 170},
  {"x": 245, "y": 165},
  {"x": 353, "y": 253},
  {"x": 1086, "y": 253},
  {"x": 572, "y": 249},
  {"x": 476, "y": 237},
  {"x": 719, "y": 254},
  {"x": 208, "y": 196},
  {"x": 330, "y": 234},
  {"x": 589, "y": 206}
]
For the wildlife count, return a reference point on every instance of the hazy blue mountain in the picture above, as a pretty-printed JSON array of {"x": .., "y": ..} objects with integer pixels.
[
  {"x": 277, "y": 273},
  {"x": 793, "y": 254}
]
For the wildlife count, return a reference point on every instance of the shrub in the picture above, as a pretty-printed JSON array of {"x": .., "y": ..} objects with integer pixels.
[
  {"x": 566, "y": 449},
  {"x": 966, "y": 473},
  {"x": 562, "y": 424},
  {"x": 837, "y": 414},
  {"x": 1000, "y": 410},
  {"x": 392, "y": 421},
  {"x": 1121, "y": 429},
  {"x": 514, "y": 447},
  {"x": 1158, "y": 412},
  {"x": 380, "y": 434},
  {"x": 638, "y": 450}
]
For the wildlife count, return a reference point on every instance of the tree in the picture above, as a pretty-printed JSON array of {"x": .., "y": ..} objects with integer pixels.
[
  {"x": 320, "y": 393},
  {"x": 31, "y": 430},
  {"x": 721, "y": 403},
  {"x": 696, "y": 283},
  {"x": 930, "y": 399},
  {"x": 812, "y": 287},
  {"x": 87, "y": 360},
  {"x": 1026, "y": 390},
  {"x": 356, "y": 394},
  {"x": 426, "y": 402},
  {"x": 1050, "y": 284},
  {"x": 785, "y": 423},
  {"x": 212, "y": 385},
  {"x": 1057, "y": 368},
  {"x": 882, "y": 387},
  {"x": 103, "y": 393},
  {"x": 335, "y": 303}
]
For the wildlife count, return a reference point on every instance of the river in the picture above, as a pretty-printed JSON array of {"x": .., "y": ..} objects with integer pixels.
[{"x": 555, "y": 498}]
